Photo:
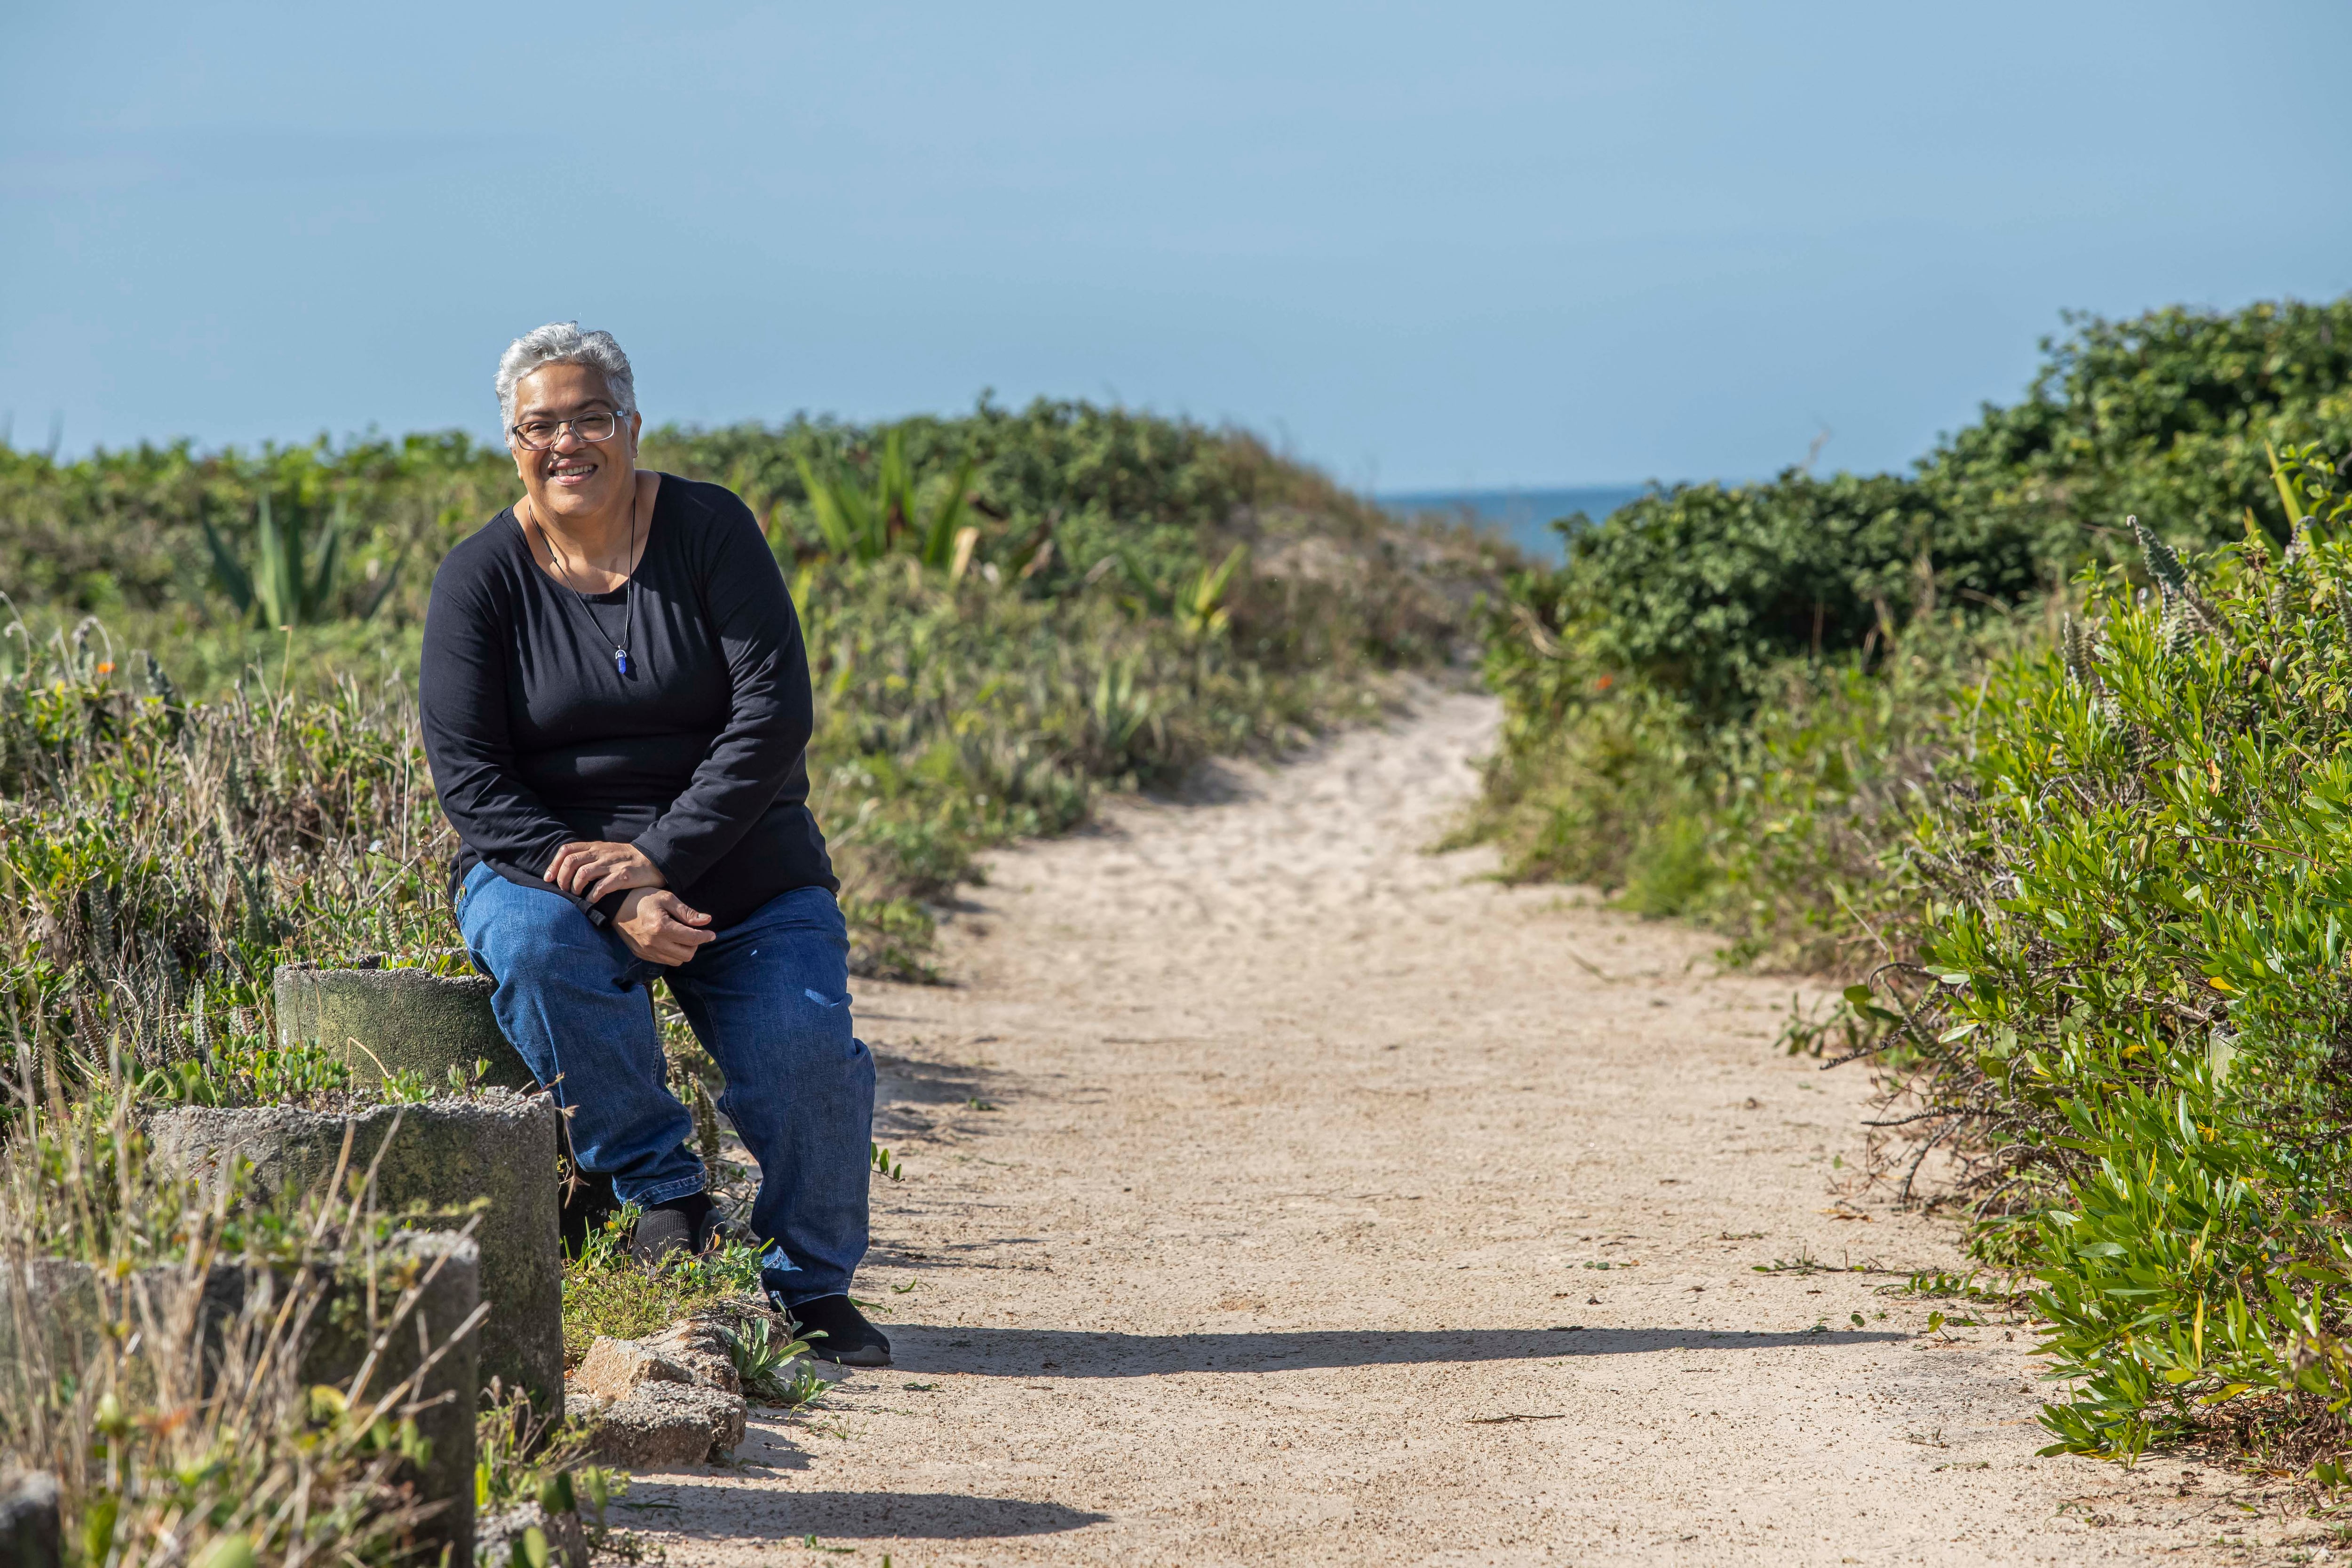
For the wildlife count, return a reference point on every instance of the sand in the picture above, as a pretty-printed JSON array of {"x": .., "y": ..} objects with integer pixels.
[{"x": 1277, "y": 1192}]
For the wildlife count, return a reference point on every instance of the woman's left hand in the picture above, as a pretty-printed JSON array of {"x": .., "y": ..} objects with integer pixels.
[{"x": 593, "y": 867}]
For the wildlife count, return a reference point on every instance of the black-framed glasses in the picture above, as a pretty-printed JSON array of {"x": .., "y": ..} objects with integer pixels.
[{"x": 539, "y": 435}]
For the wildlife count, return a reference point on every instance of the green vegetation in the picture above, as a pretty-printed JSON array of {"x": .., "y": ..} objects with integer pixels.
[
  {"x": 209, "y": 764},
  {"x": 2068, "y": 800},
  {"x": 1718, "y": 704},
  {"x": 2130, "y": 998},
  {"x": 607, "y": 1293},
  {"x": 152, "y": 1462}
]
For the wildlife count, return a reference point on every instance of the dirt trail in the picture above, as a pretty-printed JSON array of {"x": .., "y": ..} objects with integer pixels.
[{"x": 1277, "y": 1192}]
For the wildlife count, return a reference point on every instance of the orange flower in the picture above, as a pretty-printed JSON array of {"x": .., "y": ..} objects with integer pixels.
[
  {"x": 106, "y": 666},
  {"x": 1604, "y": 683}
]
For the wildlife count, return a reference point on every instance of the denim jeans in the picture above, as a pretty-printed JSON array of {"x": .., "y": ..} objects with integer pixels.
[{"x": 769, "y": 998}]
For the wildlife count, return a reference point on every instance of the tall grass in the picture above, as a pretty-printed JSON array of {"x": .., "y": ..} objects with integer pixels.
[{"x": 159, "y": 1349}]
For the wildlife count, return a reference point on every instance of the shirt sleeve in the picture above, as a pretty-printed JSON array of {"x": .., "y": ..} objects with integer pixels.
[
  {"x": 770, "y": 710},
  {"x": 463, "y": 679}
]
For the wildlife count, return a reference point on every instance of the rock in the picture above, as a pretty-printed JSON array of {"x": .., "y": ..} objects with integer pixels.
[
  {"x": 579, "y": 1402},
  {"x": 499, "y": 1538},
  {"x": 662, "y": 1426},
  {"x": 407, "y": 1019},
  {"x": 614, "y": 1368},
  {"x": 72, "y": 1309},
  {"x": 700, "y": 1347},
  {"x": 690, "y": 1352},
  {"x": 449, "y": 1153},
  {"x": 29, "y": 1537}
]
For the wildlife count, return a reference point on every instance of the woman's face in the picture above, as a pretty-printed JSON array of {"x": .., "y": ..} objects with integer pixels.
[{"x": 573, "y": 480}]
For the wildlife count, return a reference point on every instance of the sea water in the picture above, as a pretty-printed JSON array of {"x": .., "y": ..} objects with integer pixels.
[{"x": 1523, "y": 516}]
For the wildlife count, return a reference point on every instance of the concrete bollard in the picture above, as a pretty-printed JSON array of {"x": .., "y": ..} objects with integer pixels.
[
  {"x": 446, "y": 1478},
  {"x": 72, "y": 1310},
  {"x": 29, "y": 1536},
  {"x": 401, "y": 1019},
  {"x": 449, "y": 1153}
]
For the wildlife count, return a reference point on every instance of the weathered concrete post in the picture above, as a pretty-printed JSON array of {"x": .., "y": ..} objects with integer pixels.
[
  {"x": 446, "y": 1476},
  {"x": 29, "y": 1536},
  {"x": 383, "y": 1020},
  {"x": 67, "y": 1308},
  {"x": 495, "y": 1155}
]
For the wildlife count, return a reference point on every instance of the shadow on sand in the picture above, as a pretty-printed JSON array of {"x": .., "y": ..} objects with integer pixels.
[
  {"x": 1059, "y": 1352},
  {"x": 851, "y": 1515}
]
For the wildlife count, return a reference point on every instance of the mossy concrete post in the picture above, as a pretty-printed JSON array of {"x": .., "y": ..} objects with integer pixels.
[
  {"x": 490, "y": 1159},
  {"x": 29, "y": 1536},
  {"x": 385, "y": 1021},
  {"x": 70, "y": 1311},
  {"x": 452, "y": 1389}
]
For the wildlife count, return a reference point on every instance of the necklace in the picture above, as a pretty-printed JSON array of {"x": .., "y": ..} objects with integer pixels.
[{"x": 628, "y": 589}]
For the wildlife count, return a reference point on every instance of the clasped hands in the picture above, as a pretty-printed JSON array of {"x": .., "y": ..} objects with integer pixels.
[{"x": 658, "y": 925}]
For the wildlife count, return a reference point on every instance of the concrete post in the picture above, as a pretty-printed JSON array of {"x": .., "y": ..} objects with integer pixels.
[
  {"x": 450, "y": 1156},
  {"x": 56, "y": 1316},
  {"x": 390, "y": 1020}
]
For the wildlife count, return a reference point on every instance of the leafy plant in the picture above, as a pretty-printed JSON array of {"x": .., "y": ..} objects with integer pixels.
[
  {"x": 2126, "y": 1005},
  {"x": 291, "y": 582},
  {"x": 765, "y": 1363},
  {"x": 856, "y": 525},
  {"x": 522, "y": 1455},
  {"x": 607, "y": 1293}
]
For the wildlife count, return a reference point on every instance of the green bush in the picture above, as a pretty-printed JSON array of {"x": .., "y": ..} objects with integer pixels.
[
  {"x": 1715, "y": 701},
  {"x": 2131, "y": 996},
  {"x": 1055, "y": 491},
  {"x": 1775, "y": 831},
  {"x": 1702, "y": 590},
  {"x": 2165, "y": 417}
]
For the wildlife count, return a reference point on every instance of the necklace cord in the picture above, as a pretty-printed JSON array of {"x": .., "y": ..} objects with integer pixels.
[{"x": 628, "y": 585}]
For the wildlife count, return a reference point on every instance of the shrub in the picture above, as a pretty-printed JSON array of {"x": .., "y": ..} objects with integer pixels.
[
  {"x": 1717, "y": 698},
  {"x": 2132, "y": 993}
]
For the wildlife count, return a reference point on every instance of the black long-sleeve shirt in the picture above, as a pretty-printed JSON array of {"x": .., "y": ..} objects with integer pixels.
[{"x": 698, "y": 755}]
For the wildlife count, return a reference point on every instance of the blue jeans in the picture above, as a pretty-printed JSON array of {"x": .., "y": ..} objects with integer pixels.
[{"x": 769, "y": 998}]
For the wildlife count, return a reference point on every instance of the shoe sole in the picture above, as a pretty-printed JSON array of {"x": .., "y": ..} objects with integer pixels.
[{"x": 867, "y": 1357}]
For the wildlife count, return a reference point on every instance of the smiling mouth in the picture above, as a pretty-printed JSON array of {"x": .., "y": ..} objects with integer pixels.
[{"x": 570, "y": 470}]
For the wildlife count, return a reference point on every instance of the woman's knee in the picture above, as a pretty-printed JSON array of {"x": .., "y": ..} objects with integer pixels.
[{"x": 514, "y": 926}]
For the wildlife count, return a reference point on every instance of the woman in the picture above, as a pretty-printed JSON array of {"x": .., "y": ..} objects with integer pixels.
[{"x": 617, "y": 710}]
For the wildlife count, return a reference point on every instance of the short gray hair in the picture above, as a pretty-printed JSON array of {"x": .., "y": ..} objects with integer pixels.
[{"x": 562, "y": 342}]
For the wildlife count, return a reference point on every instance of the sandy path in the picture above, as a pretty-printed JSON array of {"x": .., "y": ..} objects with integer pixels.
[{"x": 1323, "y": 1204}]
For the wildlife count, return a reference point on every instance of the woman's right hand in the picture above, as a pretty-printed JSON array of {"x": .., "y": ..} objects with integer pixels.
[{"x": 659, "y": 927}]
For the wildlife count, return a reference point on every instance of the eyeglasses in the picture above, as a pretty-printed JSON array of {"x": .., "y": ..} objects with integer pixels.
[{"x": 539, "y": 435}]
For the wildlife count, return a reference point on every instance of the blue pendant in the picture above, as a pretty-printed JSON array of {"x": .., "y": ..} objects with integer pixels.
[{"x": 621, "y": 659}]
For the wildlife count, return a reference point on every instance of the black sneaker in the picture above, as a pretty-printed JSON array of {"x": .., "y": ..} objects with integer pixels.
[
  {"x": 680, "y": 1224},
  {"x": 837, "y": 1331},
  {"x": 588, "y": 1202}
]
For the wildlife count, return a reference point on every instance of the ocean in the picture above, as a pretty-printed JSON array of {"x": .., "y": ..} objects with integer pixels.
[{"x": 1525, "y": 516}]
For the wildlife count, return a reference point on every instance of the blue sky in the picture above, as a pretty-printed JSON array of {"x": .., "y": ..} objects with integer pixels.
[{"x": 1424, "y": 246}]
